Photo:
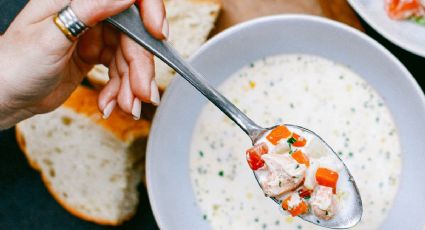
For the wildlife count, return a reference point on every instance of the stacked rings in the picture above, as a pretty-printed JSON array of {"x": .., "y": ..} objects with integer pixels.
[{"x": 69, "y": 24}]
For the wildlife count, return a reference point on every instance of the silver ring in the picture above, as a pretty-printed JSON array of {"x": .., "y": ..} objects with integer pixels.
[{"x": 69, "y": 23}]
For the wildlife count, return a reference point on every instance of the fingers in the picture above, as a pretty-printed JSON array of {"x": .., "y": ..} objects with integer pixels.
[
  {"x": 153, "y": 17},
  {"x": 132, "y": 79},
  {"x": 108, "y": 95},
  {"x": 127, "y": 101},
  {"x": 141, "y": 71},
  {"x": 98, "y": 45},
  {"x": 93, "y": 11},
  {"x": 90, "y": 45}
]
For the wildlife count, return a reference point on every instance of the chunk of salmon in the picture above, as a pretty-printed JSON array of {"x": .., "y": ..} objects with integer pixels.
[
  {"x": 323, "y": 203},
  {"x": 281, "y": 174}
]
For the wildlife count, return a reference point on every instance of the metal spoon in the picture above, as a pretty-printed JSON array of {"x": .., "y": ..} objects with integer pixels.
[{"x": 129, "y": 22}]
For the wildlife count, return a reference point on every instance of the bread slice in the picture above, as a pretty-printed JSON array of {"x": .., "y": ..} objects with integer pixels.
[
  {"x": 91, "y": 166},
  {"x": 190, "y": 22}
]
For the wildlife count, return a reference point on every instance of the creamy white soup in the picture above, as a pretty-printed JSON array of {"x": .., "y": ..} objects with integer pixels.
[{"x": 309, "y": 91}]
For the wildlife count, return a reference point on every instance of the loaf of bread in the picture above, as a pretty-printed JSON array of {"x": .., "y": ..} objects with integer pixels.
[
  {"x": 90, "y": 165},
  {"x": 190, "y": 22}
]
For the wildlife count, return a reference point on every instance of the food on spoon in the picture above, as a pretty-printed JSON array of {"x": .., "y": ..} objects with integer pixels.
[
  {"x": 277, "y": 134},
  {"x": 406, "y": 10},
  {"x": 327, "y": 178},
  {"x": 295, "y": 205},
  {"x": 286, "y": 164},
  {"x": 323, "y": 202},
  {"x": 299, "y": 141},
  {"x": 301, "y": 158},
  {"x": 253, "y": 155},
  {"x": 280, "y": 174}
]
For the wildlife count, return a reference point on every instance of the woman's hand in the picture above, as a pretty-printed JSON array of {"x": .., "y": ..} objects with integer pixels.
[{"x": 41, "y": 67}]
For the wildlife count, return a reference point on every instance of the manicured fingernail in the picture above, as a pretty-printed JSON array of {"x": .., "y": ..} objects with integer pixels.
[
  {"x": 109, "y": 108},
  {"x": 165, "y": 28},
  {"x": 137, "y": 109},
  {"x": 154, "y": 93}
]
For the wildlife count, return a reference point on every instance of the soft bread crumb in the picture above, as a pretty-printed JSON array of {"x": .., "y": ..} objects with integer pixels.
[{"x": 90, "y": 165}]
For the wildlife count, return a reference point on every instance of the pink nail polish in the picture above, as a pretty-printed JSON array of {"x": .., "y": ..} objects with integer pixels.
[
  {"x": 137, "y": 109},
  {"x": 165, "y": 29},
  {"x": 108, "y": 109},
  {"x": 155, "y": 99}
]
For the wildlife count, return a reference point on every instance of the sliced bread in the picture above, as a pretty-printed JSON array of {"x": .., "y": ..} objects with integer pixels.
[
  {"x": 190, "y": 22},
  {"x": 91, "y": 166}
]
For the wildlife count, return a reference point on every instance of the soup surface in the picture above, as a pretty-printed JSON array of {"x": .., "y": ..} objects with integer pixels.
[{"x": 310, "y": 91}]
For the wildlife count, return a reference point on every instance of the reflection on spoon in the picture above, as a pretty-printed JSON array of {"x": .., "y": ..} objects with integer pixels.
[{"x": 129, "y": 23}]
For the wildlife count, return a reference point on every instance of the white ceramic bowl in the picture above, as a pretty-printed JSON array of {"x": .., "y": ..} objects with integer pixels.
[
  {"x": 169, "y": 184},
  {"x": 408, "y": 35}
]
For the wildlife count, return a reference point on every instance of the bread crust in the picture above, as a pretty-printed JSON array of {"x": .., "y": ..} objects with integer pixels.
[{"x": 84, "y": 101}]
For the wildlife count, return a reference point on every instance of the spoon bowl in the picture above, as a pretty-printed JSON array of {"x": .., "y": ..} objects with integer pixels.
[
  {"x": 352, "y": 210},
  {"x": 129, "y": 23}
]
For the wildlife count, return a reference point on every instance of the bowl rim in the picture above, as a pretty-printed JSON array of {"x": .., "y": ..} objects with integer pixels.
[{"x": 234, "y": 29}]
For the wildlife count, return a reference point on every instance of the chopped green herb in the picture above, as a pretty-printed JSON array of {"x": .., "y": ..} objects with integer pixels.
[
  {"x": 280, "y": 184},
  {"x": 318, "y": 221},
  {"x": 201, "y": 154},
  {"x": 340, "y": 153},
  {"x": 221, "y": 173},
  {"x": 420, "y": 20},
  {"x": 307, "y": 197},
  {"x": 291, "y": 105},
  {"x": 297, "y": 166},
  {"x": 292, "y": 140},
  {"x": 251, "y": 65},
  {"x": 204, "y": 216},
  {"x": 350, "y": 154}
]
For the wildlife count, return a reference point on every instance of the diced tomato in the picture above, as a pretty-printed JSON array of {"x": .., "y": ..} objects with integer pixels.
[
  {"x": 305, "y": 192},
  {"x": 326, "y": 177},
  {"x": 301, "y": 208},
  {"x": 278, "y": 134},
  {"x": 300, "y": 141},
  {"x": 253, "y": 155},
  {"x": 403, "y": 9},
  {"x": 301, "y": 158}
]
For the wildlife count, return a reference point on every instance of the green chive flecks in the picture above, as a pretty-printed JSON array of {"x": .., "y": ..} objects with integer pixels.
[
  {"x": 292, "y": 140},
  {"x": 221, "y": 173}
]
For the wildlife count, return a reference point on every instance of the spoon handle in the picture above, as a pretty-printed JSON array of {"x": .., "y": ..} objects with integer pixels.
[{"x": 129, "y": 23}]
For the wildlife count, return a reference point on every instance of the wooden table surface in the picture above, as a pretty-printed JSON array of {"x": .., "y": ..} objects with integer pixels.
[{"x": 236, "y": 11}]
